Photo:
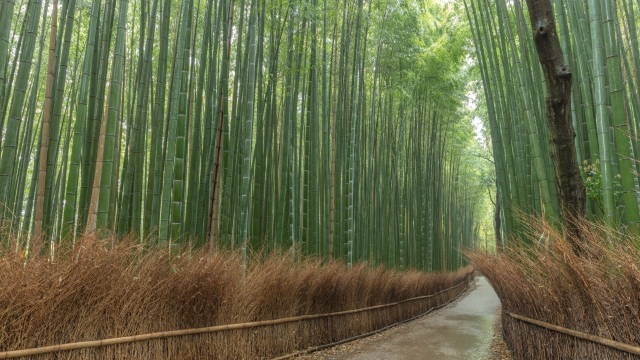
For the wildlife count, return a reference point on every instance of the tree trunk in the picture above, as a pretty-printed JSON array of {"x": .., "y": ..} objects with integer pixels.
[
  {"x": 497, "y": 223},
  {"x": 42, "y": 164},
  {"x": 557, "y": 73},
  {"x": 214, "y": 204}
]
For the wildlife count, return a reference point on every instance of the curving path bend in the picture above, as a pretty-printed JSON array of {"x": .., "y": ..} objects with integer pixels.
[{"x": 463, "y": 330}]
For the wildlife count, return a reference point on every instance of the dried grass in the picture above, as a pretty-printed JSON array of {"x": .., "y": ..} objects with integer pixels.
[
  {"x": 101, "y": 290},
  {"x": 597, "y": 293}
]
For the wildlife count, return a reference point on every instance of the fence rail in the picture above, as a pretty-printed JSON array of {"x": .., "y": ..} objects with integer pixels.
[{"x": 578, "y": 334}]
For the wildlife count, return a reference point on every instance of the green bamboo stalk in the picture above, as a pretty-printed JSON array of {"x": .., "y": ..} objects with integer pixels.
[
  {"x": 103, "y": 179},
  {"x": 12, "y": 129},
  {"x": 54, "y": 136},
  {"x": 44, "y": 136},
  {"x": 175, "y": 134},
  {"x": 135, "y": 163},
  {"x": 602, "y": 114},
  {"x": 222, "y": 113},
  {"x": 6, "y": 17},
  {"x": 70, "y": 208},
  {"x": 619, "y": 119}
]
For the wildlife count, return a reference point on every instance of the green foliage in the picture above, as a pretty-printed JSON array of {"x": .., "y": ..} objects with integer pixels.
[
  {"x": 331, "y": 128},
  {"x": 592, "y": 176}
]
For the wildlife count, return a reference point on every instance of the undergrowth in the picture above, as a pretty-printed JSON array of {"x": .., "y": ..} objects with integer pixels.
[
  {"x": 101, "y": 289},
  {"x": 596, "y": 291}
]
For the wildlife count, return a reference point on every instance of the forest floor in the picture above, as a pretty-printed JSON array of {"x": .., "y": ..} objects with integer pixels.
[{"x": 468, "y": 328}]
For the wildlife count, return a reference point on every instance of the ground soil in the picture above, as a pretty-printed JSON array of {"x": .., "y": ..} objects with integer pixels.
[
  {"x": 498, "y": 349},
  {"x": 468, "y": 328}
]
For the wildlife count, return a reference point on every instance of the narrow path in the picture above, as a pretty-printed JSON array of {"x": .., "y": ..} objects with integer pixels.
[{"x": 463, "y": 330}]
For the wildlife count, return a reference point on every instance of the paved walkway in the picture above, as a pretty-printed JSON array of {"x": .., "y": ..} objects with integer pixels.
[{"x": 462, "y": 331}]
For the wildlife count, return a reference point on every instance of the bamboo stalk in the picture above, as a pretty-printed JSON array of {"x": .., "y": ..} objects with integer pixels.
[{"x": 42, "y": 164}]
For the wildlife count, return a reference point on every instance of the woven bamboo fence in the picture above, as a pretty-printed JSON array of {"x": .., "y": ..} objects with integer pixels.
[
  {"x": 534, "y": 339},
  {"x": 261, "y": 339}
]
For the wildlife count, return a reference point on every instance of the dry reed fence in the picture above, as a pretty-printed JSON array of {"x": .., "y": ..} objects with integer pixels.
[
  {"x": 597, "y": 293},
  {"x": 99, "y": 291}
]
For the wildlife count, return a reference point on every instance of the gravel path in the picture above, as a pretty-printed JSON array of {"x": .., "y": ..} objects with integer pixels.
[{"x": 469, "y": 328}]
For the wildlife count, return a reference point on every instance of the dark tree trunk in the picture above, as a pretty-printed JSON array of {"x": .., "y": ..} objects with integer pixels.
[
  {"x": 557, "y": 73},
  {"x": 497, "y": 223}
]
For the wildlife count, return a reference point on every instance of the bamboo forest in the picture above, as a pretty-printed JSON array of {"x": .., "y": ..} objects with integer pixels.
[
  {"x": 262, "y": 124},
  {"x": 253, "y": 179}
]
